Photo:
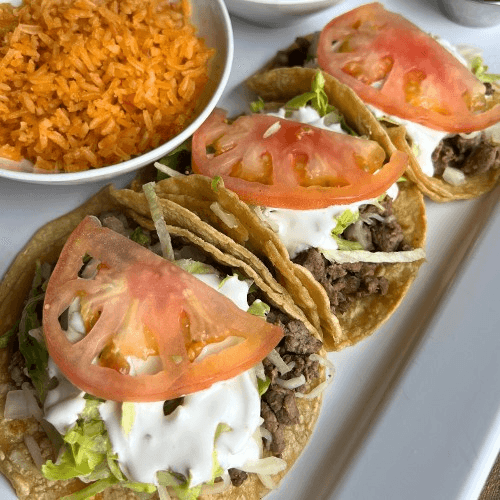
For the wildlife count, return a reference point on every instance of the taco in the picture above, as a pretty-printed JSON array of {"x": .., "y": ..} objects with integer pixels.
[
  {"x": 312, "y": 203},
  {"x": 89, "y": 414},
  {"x": 443, "y": 95}
]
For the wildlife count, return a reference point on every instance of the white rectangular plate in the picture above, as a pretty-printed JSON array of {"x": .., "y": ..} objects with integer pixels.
[{"x": 413, "y": 411}]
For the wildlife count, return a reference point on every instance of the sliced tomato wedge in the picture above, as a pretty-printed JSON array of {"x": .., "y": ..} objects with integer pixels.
[
  {"x": 286, "y": 164},
  {"x": 141, "y": 305},
  {"x": 390, "y": 63}
]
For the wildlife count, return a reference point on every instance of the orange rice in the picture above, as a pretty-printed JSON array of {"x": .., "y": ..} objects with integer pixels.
[{"x": 85, "y": 84}]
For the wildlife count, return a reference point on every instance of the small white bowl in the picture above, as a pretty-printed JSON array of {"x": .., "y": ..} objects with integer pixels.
[
  {"x": 214, "y": 25},
  {"x": 474, "y": 13},
  {"x": 274, "y": 13}
]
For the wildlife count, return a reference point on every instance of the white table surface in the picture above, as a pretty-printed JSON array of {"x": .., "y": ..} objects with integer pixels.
[{"x": 414, "y": 411}]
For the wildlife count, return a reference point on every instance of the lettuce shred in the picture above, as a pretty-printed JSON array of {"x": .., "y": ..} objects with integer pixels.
[
  {"x": 342, "y": 257},
  {"x": 182, "y": 486},
  {"x": 139, "y": 236},
  {"x": 88, "y": 454},
  {"x": 194, "y": 266},
  {"x": 318, "y": 100},
  {"x": 217, "y": 182},
  {"x": 480, "y": 71},
  {"x": 257, "y": 106},
  {"x": 259, "y": 308},
  {"x": 179, "y": 160},
  {"x": 344, "y": 220},
  {"x": 33, "y": 350},
  {"x": 263, "y": 385}
]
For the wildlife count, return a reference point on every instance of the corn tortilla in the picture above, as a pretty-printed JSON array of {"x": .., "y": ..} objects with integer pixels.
[{"x": 436, "y": 188}]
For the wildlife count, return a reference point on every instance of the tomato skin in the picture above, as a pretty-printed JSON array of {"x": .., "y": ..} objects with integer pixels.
[
  {"x": 417, "y": 72},
  {"x": 280, "y": 163},
  {"x": 144, "y": 300}
]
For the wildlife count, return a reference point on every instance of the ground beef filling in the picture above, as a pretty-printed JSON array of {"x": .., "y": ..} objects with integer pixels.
[
  {"x": 378, "y": 231},
  {"x": 278, "y": 404},
  {"x": 472, "y": 155}
]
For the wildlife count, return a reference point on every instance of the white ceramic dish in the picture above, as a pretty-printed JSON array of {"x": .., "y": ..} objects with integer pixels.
[
  {"x": 214, "y": 25},
  {"x": 479, "y": 13},
  {"x": 414, "y": 411},
  {"x": 274, "y": 13}
]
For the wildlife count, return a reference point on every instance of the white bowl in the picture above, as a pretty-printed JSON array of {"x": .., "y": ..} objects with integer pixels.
[
  {"x": 214, "y": 25},
  {"x": 273, "y": 13},
  {"x": 475, "y": 13}
]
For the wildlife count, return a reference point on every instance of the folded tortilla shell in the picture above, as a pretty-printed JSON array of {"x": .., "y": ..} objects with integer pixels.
[{"x": 439, "y": 190}]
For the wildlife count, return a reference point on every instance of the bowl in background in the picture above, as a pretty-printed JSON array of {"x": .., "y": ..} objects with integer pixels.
[
  {"x": 214, "y": 25},
  {"x": 475, "y": 13},
  {"x": 274, "y": 13}
]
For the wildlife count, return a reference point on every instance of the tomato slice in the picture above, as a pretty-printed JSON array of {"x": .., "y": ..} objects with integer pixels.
[
  {"x": 141, "y": 305},
  {"x": 286, "y": 164},
  {"x": 390, "y": 63}
]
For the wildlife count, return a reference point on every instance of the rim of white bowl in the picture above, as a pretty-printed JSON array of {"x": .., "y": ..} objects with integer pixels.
[
  {"x": 285, "y": 3},
  {"x": 104, "y": 173}
]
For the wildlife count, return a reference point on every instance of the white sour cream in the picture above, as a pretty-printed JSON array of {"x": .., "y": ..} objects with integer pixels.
[
  {"x": 183, "y": 441},
  {"x": 425, "y": 139},
  {"x": 64, "y": 403},
  {"x": 303, "y": 229}
]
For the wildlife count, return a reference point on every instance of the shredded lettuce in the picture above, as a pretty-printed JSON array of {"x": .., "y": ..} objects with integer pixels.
[
  {"x": 347, "y": 245},
  {"x": 34, "y": 352},
  {"x": 5, "y": 338},
  {"x": 342, "y": 257},
  {"x": 179, "y": 159},
  {"x": 217, "y": 470},
  {"x": 195, "y": 267},
  {"x": 159, "y": 220},
  {"x": 221, "y": 427},
  {"x": 263, "y": 385},
  {"x": 100, "y": 485},
  {"x": 139, "y": 236},
  {"x": 180, "y": 485},
  {"x": 259, "y": 308},
  {"x": 92, "y": 489},
  {"x": 480, "y": 70},
  {"x": 216, "y": 183},
  {"x": 257, "y": 106},
  {"x": 239, "y": 275},
  {"x": 345, "y": 219},
  {"x": 87, "y": 448},
  {"x": 128, "y": 417},
  {"x": 88, "y": 454},
  {"x": 316, "y": 97}
]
